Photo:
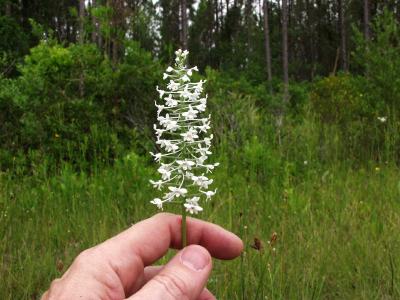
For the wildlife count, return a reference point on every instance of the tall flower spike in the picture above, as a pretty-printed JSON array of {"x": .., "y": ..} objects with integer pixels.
[{"x": 182, "y": 135}]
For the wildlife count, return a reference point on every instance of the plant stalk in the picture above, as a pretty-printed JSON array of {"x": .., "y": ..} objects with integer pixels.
[{"x": 183, "y": 227}]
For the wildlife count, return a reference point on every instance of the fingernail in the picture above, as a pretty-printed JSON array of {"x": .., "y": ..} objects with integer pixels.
[{"x": 195, "y": 257}]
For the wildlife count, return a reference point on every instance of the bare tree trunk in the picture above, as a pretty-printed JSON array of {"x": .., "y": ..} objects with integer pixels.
[
  {"x": 184, "y": 25},
  {"x": 8, "y": 9},
  {"x": 285, "y": 66},
  {"x": 267, "y": 45},
  {"x": 285, "y": 53},
  {"x": 342, "y": 26},
  {"x": 81, "y": 21},
  {"x": 81, "y": 41},
  {"x": 118, "y": 23},
  {"x": 336, "y": 62},
  {"x": 95, "y": 25},
  {"x": 366, "y": 20},
  {"x": 248, "y": 23},
  {"x": 216, "y": 11}
]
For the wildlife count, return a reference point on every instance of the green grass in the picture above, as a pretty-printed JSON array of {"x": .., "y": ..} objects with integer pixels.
[{"x": 337, "y": 228}]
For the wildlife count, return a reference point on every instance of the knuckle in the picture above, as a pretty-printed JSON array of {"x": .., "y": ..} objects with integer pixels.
[
  {"x": 55, "y": 283},
  {"x": 162, "y": 215},
  {"x": 53, "y": 290},
  {"x": 174, "y": 286},
  {"x": 83, "y": 258}
]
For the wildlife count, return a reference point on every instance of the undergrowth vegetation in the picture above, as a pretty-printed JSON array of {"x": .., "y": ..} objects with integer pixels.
[{"x": 315, "y": 199}]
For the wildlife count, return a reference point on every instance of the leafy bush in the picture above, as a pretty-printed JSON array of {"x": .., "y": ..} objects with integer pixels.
[
  {"x": 353, "y": 117},
  {"x": 379, "y": 59},
  {"x": 340, "y": 99},
  {"x": 13, "y": 44},
  {"x": 70, "y": 103}
]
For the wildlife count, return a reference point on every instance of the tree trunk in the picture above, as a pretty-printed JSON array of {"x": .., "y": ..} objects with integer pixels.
[
  {"x": 8, "y": 9},
  {"x": 184, "y": 25},
  {"x": 285, "y": 53},
  {"x": 311, "y": 52},
  {"x": 366, "y": 20},
  {"x": 81, "y": 41},
  {"x": 267, "y": 45},
  {"x": 216, "y": 11},
  {"x": 95, "y": 30},
  {"x": 81, "y": 21},
  {"x": 342, "y": 26},
  {"x": 118, "y": 23}
]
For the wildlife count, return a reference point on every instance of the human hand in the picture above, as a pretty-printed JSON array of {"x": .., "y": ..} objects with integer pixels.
[{"x": 119, "y": 268}]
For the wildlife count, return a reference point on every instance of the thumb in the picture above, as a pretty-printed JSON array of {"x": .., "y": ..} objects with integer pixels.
[{"x": 184, "y": 277}]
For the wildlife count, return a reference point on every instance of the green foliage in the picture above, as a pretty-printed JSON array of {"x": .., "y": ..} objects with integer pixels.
[
  {"x": 379, "y": 58},
  {"x": 13, "y": 39},
  {"x": 13, "y": 44},
  {"x": 336, "y": 227},
  {"x": 340, "y": 99},
  {"x": 70, "y": 104},
  {"x": 134, "y": 86},
  {"x": 358, "y": 122}
]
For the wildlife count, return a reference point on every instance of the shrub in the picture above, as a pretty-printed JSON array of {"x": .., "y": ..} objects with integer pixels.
[
  {"x": 71, "y": 104},
  {"x": 340, "y": 99},
  {"x": 352, "y": 116},
  {"x": 379, "y": 59}
]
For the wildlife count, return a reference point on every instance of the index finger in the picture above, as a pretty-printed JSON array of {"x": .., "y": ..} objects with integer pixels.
[{"x": 147, "y": 241}]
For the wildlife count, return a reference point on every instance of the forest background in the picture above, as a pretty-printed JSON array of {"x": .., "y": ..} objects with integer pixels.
[{"x": 305, "y": 105}]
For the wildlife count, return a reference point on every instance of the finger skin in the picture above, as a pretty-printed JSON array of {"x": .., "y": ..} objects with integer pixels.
[
  {"x": 151, "y": 271},
  {"x": 149, "y": 240},
  {"x": 179, "y": 279},
  {"x": 110, "y": 270}
]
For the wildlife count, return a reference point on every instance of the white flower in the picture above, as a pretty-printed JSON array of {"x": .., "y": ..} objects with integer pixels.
[
  {"x": 157, "y": 184},
  {"x": 208, "y": 140},
  {"x": 173, "y": 86},
  {"x": 159, "y": 109},
  {"x": 200, "y": 160},
  {"x": 177, "y": 192},
  {"x": 209, "y": 194},
  {"x": 168, "y": 145},
  {"x": 193, "y": 208},
  {"x": 168, "y": 122},
  {"x": 382, "y": 119},
  {"x": 171, "y": 102},
  {"x": 211, "y": 167},
  {"x": 161, "y": 92},
  {"x": 190, "y": 114},
  {"x": 193, "y": 96},
  {"x": 202, "y": 181},
  {"x": 165, "y": 172},
  {"x": 181, "y": 134},
  {"x": 199, "y": 87},
  {"x": 203, "y": 151},
  {"x": 190, "y": 135},
  {"x": 185, "y": 78},
  {"x": 192, "y": 205},
  {"x": 185, "y": 164},
  {"x": 157, "y": 202},
  {"x": 185, "y": 93},
  {"x": 157, "y": 156},
  {"x": 206, "y": 125},
  {"x": 201, "y": 107}
]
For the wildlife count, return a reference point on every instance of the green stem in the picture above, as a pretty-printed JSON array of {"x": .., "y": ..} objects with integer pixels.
[{"x": 183, "y": 227}]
